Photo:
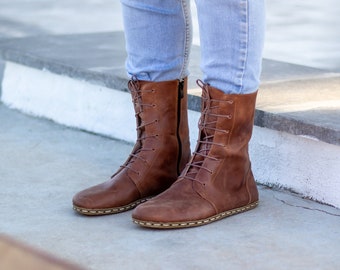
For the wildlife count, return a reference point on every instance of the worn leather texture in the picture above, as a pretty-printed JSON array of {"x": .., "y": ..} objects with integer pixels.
[
  {"x": 218, "y": 177},
  {"x": 161, "y": 151}
]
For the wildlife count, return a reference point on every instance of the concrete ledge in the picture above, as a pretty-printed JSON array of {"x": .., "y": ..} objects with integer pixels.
[
  {"x": 296, "y": 163},
  {"x": 304, "y": 107},
  {"x": 78, "y": 81},
  {"x": 99, "y": 59},
  {"x": 74, "y": 103}
]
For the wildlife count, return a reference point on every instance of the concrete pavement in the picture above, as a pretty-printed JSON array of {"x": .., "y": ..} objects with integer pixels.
[{"x": 43, "y": 164}]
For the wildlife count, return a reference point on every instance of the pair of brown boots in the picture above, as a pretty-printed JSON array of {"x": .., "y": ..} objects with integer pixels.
[{"x": 173, "y": 188}]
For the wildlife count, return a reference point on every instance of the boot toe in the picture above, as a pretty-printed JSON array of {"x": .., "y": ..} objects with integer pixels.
[
  {"x": 82, "y": 200},
  {"x": 171, "y": 213}
]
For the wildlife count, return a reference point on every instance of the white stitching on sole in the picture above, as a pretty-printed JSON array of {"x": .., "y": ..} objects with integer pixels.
[
  {"x": 174, "y": 225},
  {"x": 107, "y": 211}
]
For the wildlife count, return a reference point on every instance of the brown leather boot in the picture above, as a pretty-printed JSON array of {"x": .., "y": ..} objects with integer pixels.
[
  {"x": 161, "y": 151},
  {"x": 218, "y": 181}
]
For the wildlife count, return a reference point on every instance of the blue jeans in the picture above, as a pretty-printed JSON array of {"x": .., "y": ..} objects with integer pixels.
[{"x": 159, "y": 34}]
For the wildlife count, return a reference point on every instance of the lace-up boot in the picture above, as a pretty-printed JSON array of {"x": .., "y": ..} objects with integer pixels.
[
  {"x": 159, "y": 155},
  {"x": 218, "y": 181}
]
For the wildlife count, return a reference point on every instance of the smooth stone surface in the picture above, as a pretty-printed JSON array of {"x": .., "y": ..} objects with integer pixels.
[
  {"x": 305, "y": 107},
  {"x": 43, "y": 164},
  {"x": 99, "y": 58}
]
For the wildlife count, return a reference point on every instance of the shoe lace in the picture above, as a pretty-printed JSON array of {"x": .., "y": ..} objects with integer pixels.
[
  {"x": 207, "y": 126},
  {"x": 139, "y": 104}
]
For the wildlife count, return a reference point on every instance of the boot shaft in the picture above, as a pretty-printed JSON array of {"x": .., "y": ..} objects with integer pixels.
[
  {"x": 161, "y": 148},
  {"x": 220, "y": 166},
  {"x": 218, "y": 181},
  {"x": 226, "y": 121},
  {"x": 162, "y": 125}
]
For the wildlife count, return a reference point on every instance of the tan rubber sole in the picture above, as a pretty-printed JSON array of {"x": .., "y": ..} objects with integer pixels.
[
  {"x": 107, "y": 211},
  {"x": 194, "y": 223}
]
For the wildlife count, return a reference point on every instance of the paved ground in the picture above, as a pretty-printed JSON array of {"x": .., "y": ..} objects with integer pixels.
[{"x": 43, "y": 164}]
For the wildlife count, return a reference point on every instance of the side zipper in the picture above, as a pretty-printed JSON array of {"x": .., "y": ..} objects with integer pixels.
[{"x": 179, "y": 103}]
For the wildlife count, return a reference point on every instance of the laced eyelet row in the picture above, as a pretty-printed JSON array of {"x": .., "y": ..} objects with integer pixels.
[
  {"x": 136, "y": 92},
  {"x": 208, "y": 129}
]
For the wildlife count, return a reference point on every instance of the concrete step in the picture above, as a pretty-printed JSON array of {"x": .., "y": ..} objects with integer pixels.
[{"x": 79, "y": 81}]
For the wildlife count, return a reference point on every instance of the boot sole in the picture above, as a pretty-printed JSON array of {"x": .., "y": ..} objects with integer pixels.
[
  {"x": 195, "y": 223},
  {"x": 108, "y": 211}
]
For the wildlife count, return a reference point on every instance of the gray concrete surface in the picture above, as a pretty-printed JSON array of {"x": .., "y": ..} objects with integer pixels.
[
  {"x": 43, "y": 164},
  {"x": 293, "y": 98}
]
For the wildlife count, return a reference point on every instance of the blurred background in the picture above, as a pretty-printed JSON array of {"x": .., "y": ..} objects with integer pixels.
[{"x": 298, "y": 31}]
